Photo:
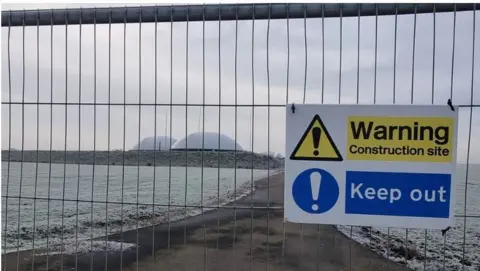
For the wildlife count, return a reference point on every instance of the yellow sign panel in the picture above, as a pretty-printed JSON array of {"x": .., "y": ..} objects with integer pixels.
[
  {"x": 415, "y": 139},
  {"x": 316, "y": 144}
]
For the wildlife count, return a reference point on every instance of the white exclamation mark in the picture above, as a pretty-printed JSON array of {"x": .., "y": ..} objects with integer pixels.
[{"x": 315, "y": 180}]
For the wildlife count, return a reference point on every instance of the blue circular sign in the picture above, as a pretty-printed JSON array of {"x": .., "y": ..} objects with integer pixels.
[{"x": 315, "y": 191}]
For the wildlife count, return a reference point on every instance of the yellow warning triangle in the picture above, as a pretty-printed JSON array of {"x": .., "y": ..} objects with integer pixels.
[{"x": 316, "y": 144}]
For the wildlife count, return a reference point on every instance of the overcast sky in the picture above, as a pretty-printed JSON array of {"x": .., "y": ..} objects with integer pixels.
[{"x": 221, "y": 89}]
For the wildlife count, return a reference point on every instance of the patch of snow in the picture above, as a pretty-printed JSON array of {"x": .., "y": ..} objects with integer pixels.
[{"x": 438, "y": 255}]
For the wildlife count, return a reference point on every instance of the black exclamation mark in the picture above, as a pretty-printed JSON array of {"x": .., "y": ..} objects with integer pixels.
[{"x": 316, "y": 139}]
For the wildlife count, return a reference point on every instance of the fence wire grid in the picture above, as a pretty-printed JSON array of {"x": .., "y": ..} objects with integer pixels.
[{"x": 152, "y": 138}]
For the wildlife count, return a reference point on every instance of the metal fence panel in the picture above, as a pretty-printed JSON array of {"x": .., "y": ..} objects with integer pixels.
[{"x": 85, "y": 90}]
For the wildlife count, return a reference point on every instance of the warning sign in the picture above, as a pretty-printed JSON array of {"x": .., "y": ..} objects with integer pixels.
[
  {"x": 386, "y": 177},
  {"x": 316, "y": 144},
  {"x": 416, "y": 139}
]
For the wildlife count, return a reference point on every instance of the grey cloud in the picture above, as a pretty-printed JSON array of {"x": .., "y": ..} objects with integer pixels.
[{"x": 246, "y": 91}]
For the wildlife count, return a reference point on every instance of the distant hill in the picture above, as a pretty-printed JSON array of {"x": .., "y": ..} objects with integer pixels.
[{"x": 223, "y": 159}]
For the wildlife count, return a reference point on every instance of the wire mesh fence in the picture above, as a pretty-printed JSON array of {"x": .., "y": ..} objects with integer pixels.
[{"x": 153, "y": 138}]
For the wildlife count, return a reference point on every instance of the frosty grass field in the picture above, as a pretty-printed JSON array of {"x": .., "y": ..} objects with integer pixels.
[
  {"x": 92, "y": 217},
  {"x": 137, "y": 185}
]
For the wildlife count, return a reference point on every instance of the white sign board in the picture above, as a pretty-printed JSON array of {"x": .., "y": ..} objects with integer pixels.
[{"x": 371, "y": 165}]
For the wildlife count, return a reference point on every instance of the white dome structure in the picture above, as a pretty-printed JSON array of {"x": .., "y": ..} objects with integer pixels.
[
  {"x": 162, "y": 143},
  {"x": 194, "y": 141}
]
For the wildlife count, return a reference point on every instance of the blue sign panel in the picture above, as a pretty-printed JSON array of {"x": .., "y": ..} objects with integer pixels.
[
  {"x": 315, "y": 191},
  {"x": 398, "y": 194}
]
